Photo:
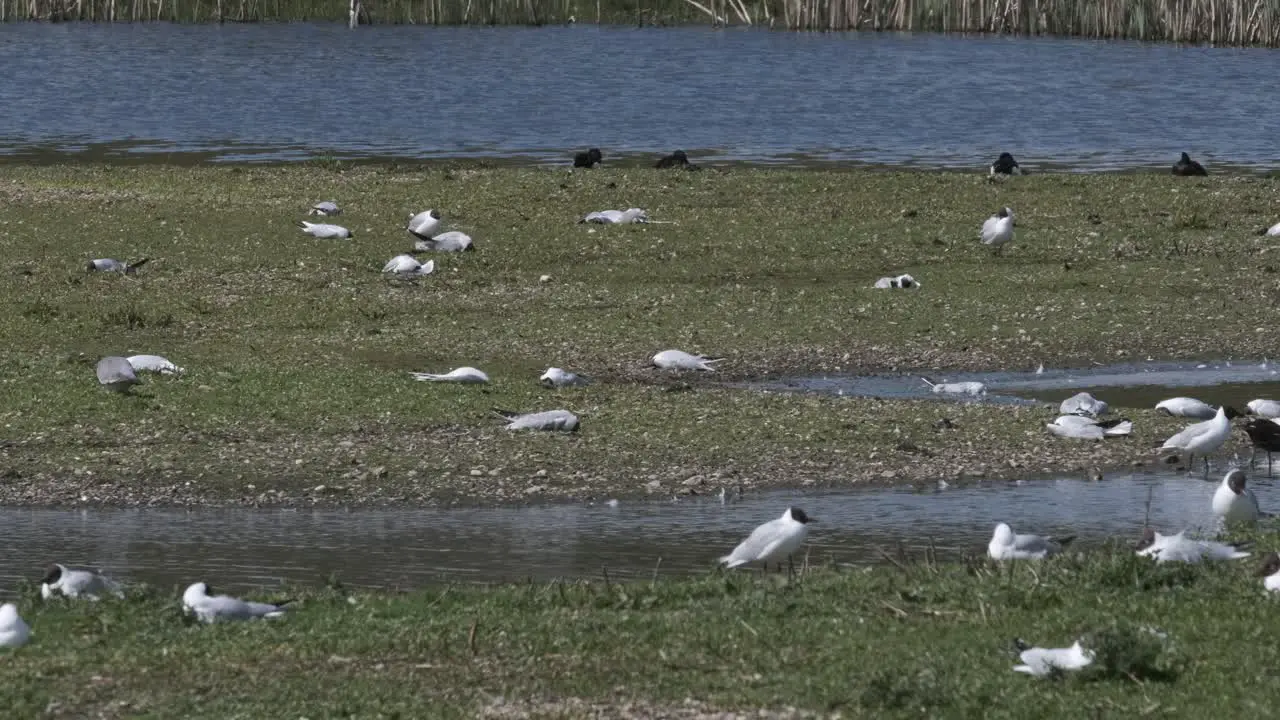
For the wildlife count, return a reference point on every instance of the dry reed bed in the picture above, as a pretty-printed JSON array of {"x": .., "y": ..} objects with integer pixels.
[{"x": 1225, "y": 22}]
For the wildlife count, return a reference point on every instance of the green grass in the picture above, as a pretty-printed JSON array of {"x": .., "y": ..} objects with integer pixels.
[
  {"x": 886, "y": 642},
  {"x": 297, "y": 350}
]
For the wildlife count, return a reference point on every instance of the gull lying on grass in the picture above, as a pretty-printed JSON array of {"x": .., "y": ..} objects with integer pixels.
[
  {"x": 1264, "y": 434},
  {"x": 957, "y": 388},
  {"x": 325, "y": 231},
  {"x": 616, "y": 217},
  {"x": 1083, "y": 404},
  {"x": 153, "y": 363},
  {"x": 555, "y": 377},
  {"x": 1186, "y": 407},
  {"x": 1270, "y": 571},
  {"x": 681, "y": 360},
  {"x": 1079, "y": 427},
  {"x": 1041, "y": 662},
  {"x": 199, "y": 600},
  {"x": 998, "y": 230},
  {"x": 772, "y": 541},
  {"x": 1273, "y": 231},
  {"x": 452, "y": 241},
  {"x": 548, "y": 420},
  {"x": 904, "y": 282},
  {"x": 116, "y": 374},
  {"x": 408, "y": 266},
  {"x": 325, "y": 208},
  {"x": 111, "y": 265},
  {"x": 1005, "y": 545},
  {"x": 76, "y": 584},
  {"x": 1202, "y": 438},
  {"x": 465, "y": 375},
  {"x": 1264, "y": 408},
  {"x": 1179, "y": 548},
  {"x": 424, "y": 225},
  {"x": 14, "y": 632},
  {"x": 1233, "y": 502}
]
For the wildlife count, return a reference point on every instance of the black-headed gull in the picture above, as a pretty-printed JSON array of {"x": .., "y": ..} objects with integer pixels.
[
  {"x": 153, "y": 363},
  {"x": 556, "y": 377},
  {"x": 677, "y": 159},
  {"x": 1233, "y": 502},
  {"x": 408, "y": 265},
  {"x": 997, "y": 230},
  {"x": 452, "y": 241},
  {"x": 210, "y": 608},
  {"x": 1041, "y": 662},
  {"x": 681, "y": 360},
  {"x": 325, "y": 231},
  {"x": 464, "y": 375},
  {"x": 1202, "y": 438},
  {"x": 616, "y": 217},
  {"x": 588, "y": 158},
  {"x": 1273, "y": 231},
  {"x": 971, "y": 387},
  {"x": 14, "y": 632},
  {"x": 1180, "y": 548},
  {"x": 117, "y": 266},
  {"x": 116, "y": 374},
  {"x": 904, "y": 282},
  {"x": 1264, "y": 434},
  {"x": 771, "y": 541},
  {"x": 1083, "y": 403},
  {"x": 548, "y": 420},
  {"x": 1006, "y": 545},
  {"x": 1079, "y": 427},
  {"x": 1186, "y": 167},
  {"x": 1270, "y": 572},
  {"x": 1005, "y": 165},
  {"x": 1186, "y": 407},
  {"x": 325, "y": 208},
  {"x": 59, "y": 579},
  {"x": 424, "y": 225}
]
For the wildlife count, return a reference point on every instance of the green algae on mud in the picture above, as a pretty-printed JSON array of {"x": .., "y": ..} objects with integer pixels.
[
  {"x": 911, "y": 640},
  {"x": 297, "y": 349}
]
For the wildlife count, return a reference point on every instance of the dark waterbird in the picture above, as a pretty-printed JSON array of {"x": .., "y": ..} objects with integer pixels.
[
  {"x": 676, "y": 159},
  {"x": 1187, "y": 167},
  {"x": 1005, "y": 165},
  {"x": 1264, "y": 435},
  {"x": 588, "y": 159}
]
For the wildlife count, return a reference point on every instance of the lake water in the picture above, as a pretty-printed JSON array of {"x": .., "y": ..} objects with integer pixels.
[
  {"x": 241, "y": 549},
  {"x": 297, "y": 90}
]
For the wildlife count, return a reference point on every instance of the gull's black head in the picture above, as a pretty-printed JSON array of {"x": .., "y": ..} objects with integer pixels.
[
  {"x": 435, "y": 214},
  {"x": 1185, "y": 159},
  {"x": 1148, "y": 539},
  {"x": 1004, "y": 212},
  {"x": 1270, "y": 564},
  {"x": 51, "y": 574},
  {"x": 798, "y": 515},
  {"x": 1236, "y": 481},
  {"x": 1231, "y": 413}
]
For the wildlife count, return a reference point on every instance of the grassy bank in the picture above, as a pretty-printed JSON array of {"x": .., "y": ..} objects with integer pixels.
[
  {"x": 1201, "y": 21},
  {"x": 297, "y": 350},
  {"x": 887, "y": 642}
]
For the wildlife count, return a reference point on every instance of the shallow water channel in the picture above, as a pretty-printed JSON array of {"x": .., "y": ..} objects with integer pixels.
[
  {"x": 238, "y": 549},
  {"x": 1134, "y": 385}
]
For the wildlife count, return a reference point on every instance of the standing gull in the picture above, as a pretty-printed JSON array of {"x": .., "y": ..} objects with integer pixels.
[
  {"x": 1005, "y": 165},
  {"x": 1202, "y": 438},
  {"x": 1264, "y": 434},
  {"x": 1233, "y": 502},
  {"x": 998, "y": 230},
  {"x": 772, "y": 541}
]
